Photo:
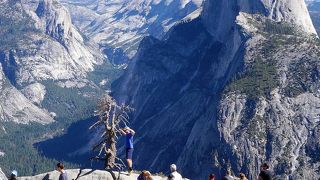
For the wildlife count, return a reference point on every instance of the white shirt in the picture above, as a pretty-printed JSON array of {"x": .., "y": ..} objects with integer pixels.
[
  {"x": 230, "y": 177},
  {"x": 176, "y": 175}
]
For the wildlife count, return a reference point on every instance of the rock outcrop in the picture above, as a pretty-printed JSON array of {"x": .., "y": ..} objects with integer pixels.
[
  {"x": 15, "y": 107},
  {"x": 87, "y": 174}
]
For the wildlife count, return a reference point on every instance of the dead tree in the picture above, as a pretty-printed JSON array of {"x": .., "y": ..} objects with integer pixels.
[{"x": 111, "y": 118}]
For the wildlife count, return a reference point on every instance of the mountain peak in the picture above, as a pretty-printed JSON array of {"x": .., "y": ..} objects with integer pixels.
[
  {"x": 292, "y": 11},
  {"x": 219, "y": 15}
]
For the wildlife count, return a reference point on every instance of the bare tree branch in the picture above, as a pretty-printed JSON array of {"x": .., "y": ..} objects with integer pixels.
[{"x": 111, "y": 118}]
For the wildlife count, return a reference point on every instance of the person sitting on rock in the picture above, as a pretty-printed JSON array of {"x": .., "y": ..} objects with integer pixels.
[{"x": 145, "y": 175}]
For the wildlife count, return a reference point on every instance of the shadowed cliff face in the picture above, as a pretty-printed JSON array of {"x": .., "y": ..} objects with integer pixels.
[
  {"x": 175, "y": 86},
  {"x": 186, "y": 90}
]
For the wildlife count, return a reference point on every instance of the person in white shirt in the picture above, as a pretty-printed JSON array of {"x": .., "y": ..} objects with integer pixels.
[
  {"x": 228, "y": 176},
  {"x": 174, "y": 174}
]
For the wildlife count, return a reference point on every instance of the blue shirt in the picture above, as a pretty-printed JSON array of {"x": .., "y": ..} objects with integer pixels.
[{"x": 129, "y": 141}]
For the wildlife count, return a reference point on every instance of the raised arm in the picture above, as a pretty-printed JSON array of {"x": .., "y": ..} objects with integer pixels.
[
  {"x": 122, "y": 132},
  {"x": 131, "y": 131}
]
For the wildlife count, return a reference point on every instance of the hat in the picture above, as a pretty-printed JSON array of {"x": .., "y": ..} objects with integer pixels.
[
  {"x": 173, "y": 167},
  {"x": 14, "y": 172}
]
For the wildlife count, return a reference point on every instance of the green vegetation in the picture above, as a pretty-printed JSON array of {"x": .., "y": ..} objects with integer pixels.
[
  {"x": 302, "y": 76},
  {"x": 70, "y": 103},
  {"x": 273, "y": 27},
  {"x": 17, "y": 143},
  {"x": 261, "y": 75},
  {"x": 259, "y": 80},
  {"x": 105, "y": 71}
]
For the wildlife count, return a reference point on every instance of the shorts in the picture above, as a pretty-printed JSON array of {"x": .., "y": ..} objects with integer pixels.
[{"x": 129, "y": 152}]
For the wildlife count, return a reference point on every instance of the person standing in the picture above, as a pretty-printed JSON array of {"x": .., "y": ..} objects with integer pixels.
[
  {"x": 129, "y": 133},
  {"x": 265, "y": 173},
  {"x": 174, "y": 173},
  {"x": 63, "y": 173}
]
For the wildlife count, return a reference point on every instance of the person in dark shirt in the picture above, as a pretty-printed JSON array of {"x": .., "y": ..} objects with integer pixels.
[
  {"x": 63, "y": 174},
  {"x": 265, "y": 173},
  {"x": 129, "y": 133},
  {"x": 13, "y": 175}
]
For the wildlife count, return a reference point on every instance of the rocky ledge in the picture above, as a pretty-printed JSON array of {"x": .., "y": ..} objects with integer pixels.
[{"x": 87, "y": 174}]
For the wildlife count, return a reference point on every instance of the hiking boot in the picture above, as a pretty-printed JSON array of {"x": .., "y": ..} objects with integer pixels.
[{"x": 130, "y": 171}]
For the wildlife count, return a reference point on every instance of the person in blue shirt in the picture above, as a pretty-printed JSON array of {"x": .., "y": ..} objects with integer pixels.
[{"x": 129, "y": 133}]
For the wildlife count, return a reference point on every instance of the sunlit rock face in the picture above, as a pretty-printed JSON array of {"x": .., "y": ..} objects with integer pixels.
[
  {"x": 15, "y": 107},
  {"x": 2, "y": 175},
  {"x": 223, "y": 91},
  {"x": 39, "y": 46},
  {"x": 47, "y": 27}
]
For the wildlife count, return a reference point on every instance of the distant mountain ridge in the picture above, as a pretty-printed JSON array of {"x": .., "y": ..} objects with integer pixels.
[{"x": 121, "y": 24}]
